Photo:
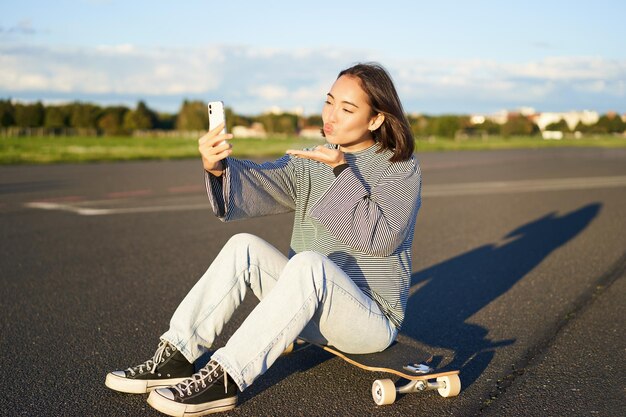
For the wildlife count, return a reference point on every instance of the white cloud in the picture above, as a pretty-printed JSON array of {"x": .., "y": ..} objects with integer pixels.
[
  {"x": 269, "y": 92},
  {"x": 596, "y": 86},
  {"x": 251, "y": 79},
  {"x": 311, "y": 93},
  {"x": 121, "y": 69},
  {"x": 125, "y": 48},
  {"x": 264, "y": 53},
  {"x": 551, "y": 80}
]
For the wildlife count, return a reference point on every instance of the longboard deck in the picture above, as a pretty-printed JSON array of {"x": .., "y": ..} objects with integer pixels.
[{"x": 403, "y": 358}]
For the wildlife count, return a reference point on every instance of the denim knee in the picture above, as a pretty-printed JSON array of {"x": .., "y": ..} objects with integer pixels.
[
  {"x": 243, "y": 239},
  {"x": 308, "y": 257},
  {"x": 307, "y": 262}
]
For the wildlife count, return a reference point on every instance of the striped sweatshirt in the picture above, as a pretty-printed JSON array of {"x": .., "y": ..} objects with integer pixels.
[{"x": 362, "y": 219}]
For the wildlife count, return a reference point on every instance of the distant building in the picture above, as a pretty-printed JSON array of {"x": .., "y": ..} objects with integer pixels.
[
  {"x": 572, "y": 118},
  {"x": 256, "y": 130},
  {"x": 499, "y": 117},
  {"x": 542, "y": 120},
  {"x": 552, "y": 134},
  {"x": 311, "y": 132},
  {"x": 477, "y": 119}
]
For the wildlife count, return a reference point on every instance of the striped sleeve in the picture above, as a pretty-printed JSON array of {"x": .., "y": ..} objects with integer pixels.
[
  {"x": 247, "y": 189},
  {"x": 375, "y": 222}
]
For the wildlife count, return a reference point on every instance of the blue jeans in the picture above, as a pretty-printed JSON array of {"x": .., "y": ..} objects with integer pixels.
[{"x": 306, "y": 296}]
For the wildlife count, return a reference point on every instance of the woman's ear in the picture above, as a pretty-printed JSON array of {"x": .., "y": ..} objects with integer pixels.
[{"x": 376, "y": 122}]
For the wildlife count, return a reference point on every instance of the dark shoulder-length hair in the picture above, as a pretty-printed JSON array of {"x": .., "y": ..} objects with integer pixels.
[{"x": 395, "y": 132}]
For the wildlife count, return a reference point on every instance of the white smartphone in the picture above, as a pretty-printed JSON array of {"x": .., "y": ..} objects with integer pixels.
[{"x": 216, "y": 115}]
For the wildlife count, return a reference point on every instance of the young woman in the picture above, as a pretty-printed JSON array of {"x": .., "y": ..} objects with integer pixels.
[{"x": 346, "y": 279}]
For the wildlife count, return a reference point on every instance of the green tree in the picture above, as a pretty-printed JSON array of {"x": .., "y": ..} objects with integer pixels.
[
  {"x": 142, "y": 118},
  {"x": 284, "y": 123},
  {"x": 234, "y": 119},
  {"x": 583, "y": 128},
  {"x": 420, "y": 125},
  {"x": 7, "y": 113},
  {"x": 229, "y": 115},
  {"x": 490, "y": 127},
  {"x": 56, "y": 117},
  {"x": 84, "y": 115},
  {"x": 29, "y": 115},
  {"x": 112, "y": 120},
  {"x": 287, "y": 124},
  {"x": 447, "y": 125},
  {"x": 518, "y": 125},
  {"x": 609, "y": 123},
  {"x": 166, "y": 121},
  {"x": 193, "y": 115},
  {"x": 560, "y": 126},
  {"x": 267, "y": 121},
  {"x": 314, "y": 120}
]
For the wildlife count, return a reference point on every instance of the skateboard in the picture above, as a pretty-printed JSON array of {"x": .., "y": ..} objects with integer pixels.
[{"x": 403, "y": 359}]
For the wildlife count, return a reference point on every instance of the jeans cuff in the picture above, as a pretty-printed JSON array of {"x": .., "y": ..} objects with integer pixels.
[
  {"x": 180, "y": 346},
  {"x": 230, "y": 370}
]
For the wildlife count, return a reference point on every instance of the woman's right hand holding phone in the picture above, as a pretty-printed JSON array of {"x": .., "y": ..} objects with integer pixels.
[{"x": 213, "y": 147}]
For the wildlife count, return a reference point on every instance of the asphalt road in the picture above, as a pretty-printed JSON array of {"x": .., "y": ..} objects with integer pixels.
[{"x": 519, "y": 281}]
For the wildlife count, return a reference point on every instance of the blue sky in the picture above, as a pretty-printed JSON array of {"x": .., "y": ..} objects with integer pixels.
[{"x": 445, "y": 56}]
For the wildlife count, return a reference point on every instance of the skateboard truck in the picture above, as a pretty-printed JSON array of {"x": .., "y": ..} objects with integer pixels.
[
  {"x": 384, "y": 390},
  {"x": 421, "y": 386}
]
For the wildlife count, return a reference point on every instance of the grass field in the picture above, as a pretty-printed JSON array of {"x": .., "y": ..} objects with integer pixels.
[{"x": 42, "y": 150}]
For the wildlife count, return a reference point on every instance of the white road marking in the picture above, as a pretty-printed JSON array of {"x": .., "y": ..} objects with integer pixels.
[
  {"x": 94, "y": 208},
  {"x": 91, "y": 211}
]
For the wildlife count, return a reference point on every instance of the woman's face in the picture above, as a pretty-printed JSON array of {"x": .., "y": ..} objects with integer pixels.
[{"x": 347, "y": 115}]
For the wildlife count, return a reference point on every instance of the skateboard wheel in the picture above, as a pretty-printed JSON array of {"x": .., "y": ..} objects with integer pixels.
[
  {"x": 289, "y": 349},
  {"x": 452, "y": 386},
  {"x": 383, "y": 391}
]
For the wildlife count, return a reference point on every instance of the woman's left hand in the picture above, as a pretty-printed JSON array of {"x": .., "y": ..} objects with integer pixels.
[{"x": 330, "y": 157}]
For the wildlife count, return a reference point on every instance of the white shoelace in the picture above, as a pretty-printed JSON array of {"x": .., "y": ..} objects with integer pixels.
[
  {"x": 200, "y": 378},
  {"x": 164, "y": 348}
]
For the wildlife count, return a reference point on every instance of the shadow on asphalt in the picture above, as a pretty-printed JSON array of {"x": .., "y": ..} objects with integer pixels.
[
  {"x": 306, "y": 358},
  {"x": 449, "y": 293},
  {"x": 452, "y": 291}
]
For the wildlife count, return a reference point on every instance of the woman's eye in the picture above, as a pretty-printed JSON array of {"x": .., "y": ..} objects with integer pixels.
[
  {"x": 348, "y": 111},
  {"x": 326, "y": 101}
]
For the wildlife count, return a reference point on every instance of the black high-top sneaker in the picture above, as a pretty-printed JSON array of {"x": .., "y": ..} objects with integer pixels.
[
  {"x": 167, "y": 367},
  {"x": 208, "y": 391}
]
